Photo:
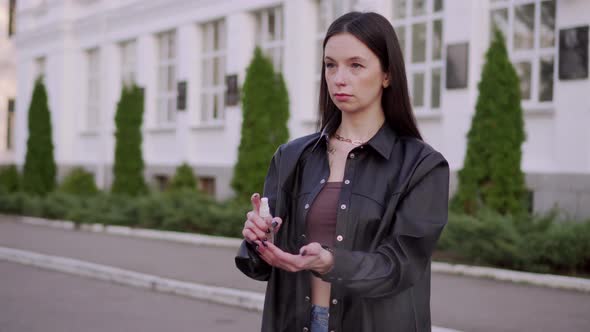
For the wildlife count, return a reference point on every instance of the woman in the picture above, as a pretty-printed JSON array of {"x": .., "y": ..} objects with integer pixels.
[{"x": 358, "y": 208}]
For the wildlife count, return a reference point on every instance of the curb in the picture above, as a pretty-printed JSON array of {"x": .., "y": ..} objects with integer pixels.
[
  {"x": 189, "y": 238},
  {"x": 537, "y": 279},
  {"x": 227, "y": 296},
  {"x": 233, "y": 297}
]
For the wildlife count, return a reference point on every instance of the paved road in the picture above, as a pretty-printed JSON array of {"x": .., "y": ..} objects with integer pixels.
[
  {"x": 462, "y": 303},
  {"x": 33, "y": 299},
  {"x": 470, "y": 304}
]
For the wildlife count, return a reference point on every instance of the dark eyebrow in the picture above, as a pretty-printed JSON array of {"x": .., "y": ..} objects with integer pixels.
[{"x": 354, "y": 58}]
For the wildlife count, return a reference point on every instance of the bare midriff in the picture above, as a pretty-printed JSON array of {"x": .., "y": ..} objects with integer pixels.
[
  {"x": 320, "y": 292},
  {"x": 321, "y": 223},
  {"x": 321, "y": 228}
]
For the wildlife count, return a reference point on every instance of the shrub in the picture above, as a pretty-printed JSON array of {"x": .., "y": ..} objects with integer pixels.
[
  {"x": 79, "y": 182},
  {"x": 59, "y": 205},
  {"x": 487, "y": 238},
  {"x": 32, "y": 205},
  {"x": 12, "y": 203},
  {"x": 531, "y": 243},
  {"x": 9, "y": 179},
  {"x": 535, "y": 243},
  {"x": 184, "y": 178},
  {"x": 565, "y": 247},
  {"x": 181, "y": 210},
  {"x": 191, "y": 211}
]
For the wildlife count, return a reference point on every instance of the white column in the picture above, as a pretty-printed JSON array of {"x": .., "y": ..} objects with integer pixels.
[
  {"x": 241, "y": 40},
  {"x": 110, "y": 94},
  {"x": 240, "y": 30},
  {"x": 185, "y": 67},
  {"x": 300, "y": 64}
]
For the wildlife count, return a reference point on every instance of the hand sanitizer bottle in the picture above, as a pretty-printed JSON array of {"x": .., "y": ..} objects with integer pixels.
[{"x": 264, "y": 213}]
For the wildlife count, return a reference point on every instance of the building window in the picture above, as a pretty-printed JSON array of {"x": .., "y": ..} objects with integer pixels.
[
  {"x": 207, "y": 185},
  {"x": 10, "y": 124},
  {"x": 162, "y": 181},
  {"x": 327, "y": 11},
  {"x": 11, "y": 17},
  {"x": 166, "y": 99},
  {"x": 419, "y": 28},
  {"x": 529, "y": 29},
  {"x": 129, "y": 63},
  {"x": 269, "y": 36},
  {"x": 213, "y": 72},
  {"x": 39, "y": 67},
  {"x": 93, "y": 89}
]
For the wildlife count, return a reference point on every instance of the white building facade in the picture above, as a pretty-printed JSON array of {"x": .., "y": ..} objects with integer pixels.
[
  {"x": 86, "y": 49},
  {"x": 7, "y": 82}
]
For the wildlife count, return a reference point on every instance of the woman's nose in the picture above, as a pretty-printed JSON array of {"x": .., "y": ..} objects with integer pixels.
[{"x": 340, "y": 77}]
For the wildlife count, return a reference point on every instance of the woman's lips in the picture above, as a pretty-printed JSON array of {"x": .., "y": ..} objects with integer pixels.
[{"x": 342, "y": 96}]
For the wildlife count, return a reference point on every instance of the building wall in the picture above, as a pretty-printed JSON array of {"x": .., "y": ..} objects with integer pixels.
[
  {"x": 7, "y": 82},
  {"x": 556, "y": 155}
]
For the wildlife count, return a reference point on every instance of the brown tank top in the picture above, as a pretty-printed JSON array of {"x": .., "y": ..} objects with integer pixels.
[{"x": 321, "y": 218}]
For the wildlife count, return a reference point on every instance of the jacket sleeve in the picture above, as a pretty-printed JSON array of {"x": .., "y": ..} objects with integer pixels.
[
  {"x": 247, "y": 259},
  {"x": 402, "y": 257}
]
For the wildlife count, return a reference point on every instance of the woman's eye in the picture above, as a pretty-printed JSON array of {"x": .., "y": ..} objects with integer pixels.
[
  {"x": 356, "y": 65},
  {"x": 329, "y": 65}
]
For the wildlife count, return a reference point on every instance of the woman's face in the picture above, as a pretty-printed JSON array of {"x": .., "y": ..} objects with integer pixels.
[{"x": 353, "y": 74}]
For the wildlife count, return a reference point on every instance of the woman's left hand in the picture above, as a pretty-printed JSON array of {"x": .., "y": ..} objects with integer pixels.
[{"x": 311, "y": 257}]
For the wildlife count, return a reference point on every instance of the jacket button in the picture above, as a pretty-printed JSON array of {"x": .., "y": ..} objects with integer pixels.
[
  {"x": 323, "y": 181},
  {"x": 305, "y": 329},
  {"x": 351, "y": 156},
  {"x": 343, "y": 206},
  {"x": 307, "y": 299},
  {"x": 306, "y": 206},
  {"x": 303, "y": 236},
  {"x": 339, "y": 238},
  {"x": 346, "y": 181},
  {"x": 334, "y": 301}
]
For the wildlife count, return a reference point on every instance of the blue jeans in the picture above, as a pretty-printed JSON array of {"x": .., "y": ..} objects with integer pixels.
[{"x": 319, "y": 318}]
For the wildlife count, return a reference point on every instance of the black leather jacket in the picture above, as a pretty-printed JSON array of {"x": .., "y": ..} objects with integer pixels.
[{"x": 392, "y": 209}]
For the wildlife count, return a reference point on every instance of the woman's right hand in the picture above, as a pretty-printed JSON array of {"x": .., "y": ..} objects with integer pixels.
[{"x": 257, "y": 228}]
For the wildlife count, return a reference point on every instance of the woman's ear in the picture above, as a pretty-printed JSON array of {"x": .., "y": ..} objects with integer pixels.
[{"x": 385, "y": 82}]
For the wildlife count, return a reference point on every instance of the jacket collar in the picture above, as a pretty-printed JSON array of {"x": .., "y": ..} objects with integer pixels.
[{"x": 382, "y": 142}]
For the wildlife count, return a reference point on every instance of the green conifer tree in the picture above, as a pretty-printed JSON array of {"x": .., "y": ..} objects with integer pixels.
[
  {"x": 265, "y": 106},
  {"x": 184, "y": 178},
  {"x": 39, "y": 171},
  {"x": 491, "y": 175},
  {"x": 129, "y": 165}
]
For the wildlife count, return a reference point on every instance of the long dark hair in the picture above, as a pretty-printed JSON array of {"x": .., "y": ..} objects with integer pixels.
[{"x": 378, "y": 35}]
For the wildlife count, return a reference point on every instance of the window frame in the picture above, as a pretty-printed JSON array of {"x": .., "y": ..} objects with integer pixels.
[
  {"x": 326, "y": 14},
  {"x": 533, "y": 55},
  {"x": 211, "y": 91},
  {"x": 128, "y": 53},
  {"x": 10, "y": 119},
  {"x": 272, "y": 48},
  {"x": 40, "y": 67},
  {"x": 166, "y": 95},
  {"x": 11, "y": 18},
  {"x": 93, "y": 89},
  {"x": 429, "y": 65}
]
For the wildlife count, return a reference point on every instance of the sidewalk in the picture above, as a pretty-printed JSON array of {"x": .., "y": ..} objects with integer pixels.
[{"x": 514, "y": 306}]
